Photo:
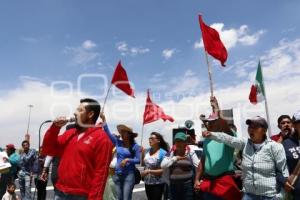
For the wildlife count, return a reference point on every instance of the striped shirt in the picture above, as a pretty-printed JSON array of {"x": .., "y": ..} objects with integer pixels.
[{"x": 259, "y": 166}]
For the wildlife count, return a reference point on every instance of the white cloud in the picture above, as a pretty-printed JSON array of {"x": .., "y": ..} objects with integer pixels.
[
  {"x": 137, "y": 50},
  {"x": 281, "y": 87},
  {"x": 14, "y": 106},
  {"x": 88, "y": 44},
  {"x": 189, "y": 73},
  {"x": 184, "y": 85},
  {"x": 281, "y": 62},
  {"x": 31, "y": 40},
  {"x": 157, "y": 77},
  {"x": 168, "y": 53},
  {"x": 233, "y": 37},
  {"x": 122, "y": 46},
  {"x": 131, "y": 51},
  {"x": 83, "y": 54}
]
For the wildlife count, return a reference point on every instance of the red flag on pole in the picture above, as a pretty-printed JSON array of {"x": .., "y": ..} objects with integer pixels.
[
  {"x": 212, "y": 42},
  {"x": 153, "y": 112},
  {"x": 120, "y": 80}
]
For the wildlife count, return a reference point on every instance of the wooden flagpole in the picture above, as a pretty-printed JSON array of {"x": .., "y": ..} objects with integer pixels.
[
  {"x": 106, "y": 97},
  {"x": 209, "y": 74},
  {"x": 142, "y": 135}
]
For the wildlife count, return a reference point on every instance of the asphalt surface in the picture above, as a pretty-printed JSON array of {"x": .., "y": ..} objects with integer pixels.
[{"x": 138, "y": 192}]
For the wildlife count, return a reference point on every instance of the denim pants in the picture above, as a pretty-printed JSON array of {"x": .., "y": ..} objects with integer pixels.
[
  {"x": 182, "y": 190},
  {"x": 63, "y": 196},
  {"x": 248, "y": 196},
  {"x": 124, "y": 185},
  {"x": 25, "y": 181}
]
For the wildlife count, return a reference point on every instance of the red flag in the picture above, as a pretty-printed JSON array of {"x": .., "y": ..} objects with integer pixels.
[
  {"x": 120, "y": 80},
  {"x": 212, "y": 42},
  {"x": 153, "y": 112}
]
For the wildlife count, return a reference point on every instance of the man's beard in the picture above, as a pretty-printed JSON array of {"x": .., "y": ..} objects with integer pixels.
[
  {"x": 10, "y": 192},
  {"x": 286, "y": 132}
]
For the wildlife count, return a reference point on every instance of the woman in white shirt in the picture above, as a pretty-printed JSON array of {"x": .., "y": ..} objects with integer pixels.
[{"x": 152, "y": 159}]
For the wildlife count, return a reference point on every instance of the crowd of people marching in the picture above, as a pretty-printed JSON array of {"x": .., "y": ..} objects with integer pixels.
[{"x": 88, "y": 161}]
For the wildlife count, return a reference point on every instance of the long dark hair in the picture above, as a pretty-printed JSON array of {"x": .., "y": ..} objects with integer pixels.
[
  {"x": 131, "y": 139},
  {"x": 162, "y": 143}
]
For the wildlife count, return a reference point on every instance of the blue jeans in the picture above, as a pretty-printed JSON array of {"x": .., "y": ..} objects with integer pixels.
[
  {"x": 63, "y": 196},
  {"x": 184, "y": 190},
  {"x": 25, "y": 181},
  {"x": 248, "y": 196},
  {"x": 124, "y": 185}
]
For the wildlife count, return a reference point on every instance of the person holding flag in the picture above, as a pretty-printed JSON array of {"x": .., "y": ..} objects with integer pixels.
[
  {"x": 128, "y": 155},
  {"x": 264, "y": 166},
  {"x": 214, "y": 177}
]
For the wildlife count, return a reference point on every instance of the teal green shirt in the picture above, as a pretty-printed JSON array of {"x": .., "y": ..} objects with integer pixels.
[
  {"x": 218, "y": 157},
  {"x": 14, "y": 161}
]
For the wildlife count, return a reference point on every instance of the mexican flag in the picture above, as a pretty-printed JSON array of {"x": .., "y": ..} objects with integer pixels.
[{"x": 257, "y": 93}]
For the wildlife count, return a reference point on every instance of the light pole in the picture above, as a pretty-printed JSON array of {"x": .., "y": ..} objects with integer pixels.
[{"x": 27, "y": 136}]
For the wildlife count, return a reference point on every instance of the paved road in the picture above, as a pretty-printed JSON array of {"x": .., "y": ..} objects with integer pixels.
[{"x": 138, "y": 192}]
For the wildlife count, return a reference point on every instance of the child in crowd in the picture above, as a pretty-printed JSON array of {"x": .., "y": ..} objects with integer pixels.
[{"x": 10, "y": 192}]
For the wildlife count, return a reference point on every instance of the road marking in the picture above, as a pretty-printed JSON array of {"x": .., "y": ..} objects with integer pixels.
[{"x": 52, "y": 188}]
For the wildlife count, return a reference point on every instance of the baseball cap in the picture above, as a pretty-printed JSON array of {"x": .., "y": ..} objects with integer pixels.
[
  {"x": 10, "y": 146},
  {"x": 180, "y": 136},
  {"x": 258, "y": 121},
  {"x": 296, "y": 116}
]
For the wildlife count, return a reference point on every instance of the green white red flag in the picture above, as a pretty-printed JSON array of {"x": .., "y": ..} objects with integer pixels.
[{"x": 257, "y": 93}]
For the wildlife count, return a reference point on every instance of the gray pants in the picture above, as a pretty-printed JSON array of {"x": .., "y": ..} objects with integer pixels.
[{"x": 25, "y": 181}]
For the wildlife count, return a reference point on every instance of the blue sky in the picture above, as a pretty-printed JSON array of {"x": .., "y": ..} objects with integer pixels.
[{"x": 46, "y": 41}]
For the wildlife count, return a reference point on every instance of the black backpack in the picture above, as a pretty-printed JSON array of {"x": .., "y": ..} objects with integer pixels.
[{"x": 137, "y": 174}]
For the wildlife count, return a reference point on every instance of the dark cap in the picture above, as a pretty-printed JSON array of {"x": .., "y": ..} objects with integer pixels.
[{"x": 260, "y": 121}]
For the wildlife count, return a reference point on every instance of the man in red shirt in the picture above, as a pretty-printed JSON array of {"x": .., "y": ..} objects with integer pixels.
[
  {"x": 285, "y": 126},
  {"x": 85, "y": 153}
]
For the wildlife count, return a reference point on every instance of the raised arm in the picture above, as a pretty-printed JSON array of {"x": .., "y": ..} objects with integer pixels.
[
  {"x": 113, "y": 138},
  {"x": 52, "y": 143},
  {"x": 234, "y": 142}
]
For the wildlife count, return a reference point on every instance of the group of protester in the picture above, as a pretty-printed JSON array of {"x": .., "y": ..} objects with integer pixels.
[
  {"x": 25, "y": 166},
  {"x": 90, "y": 162}
]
